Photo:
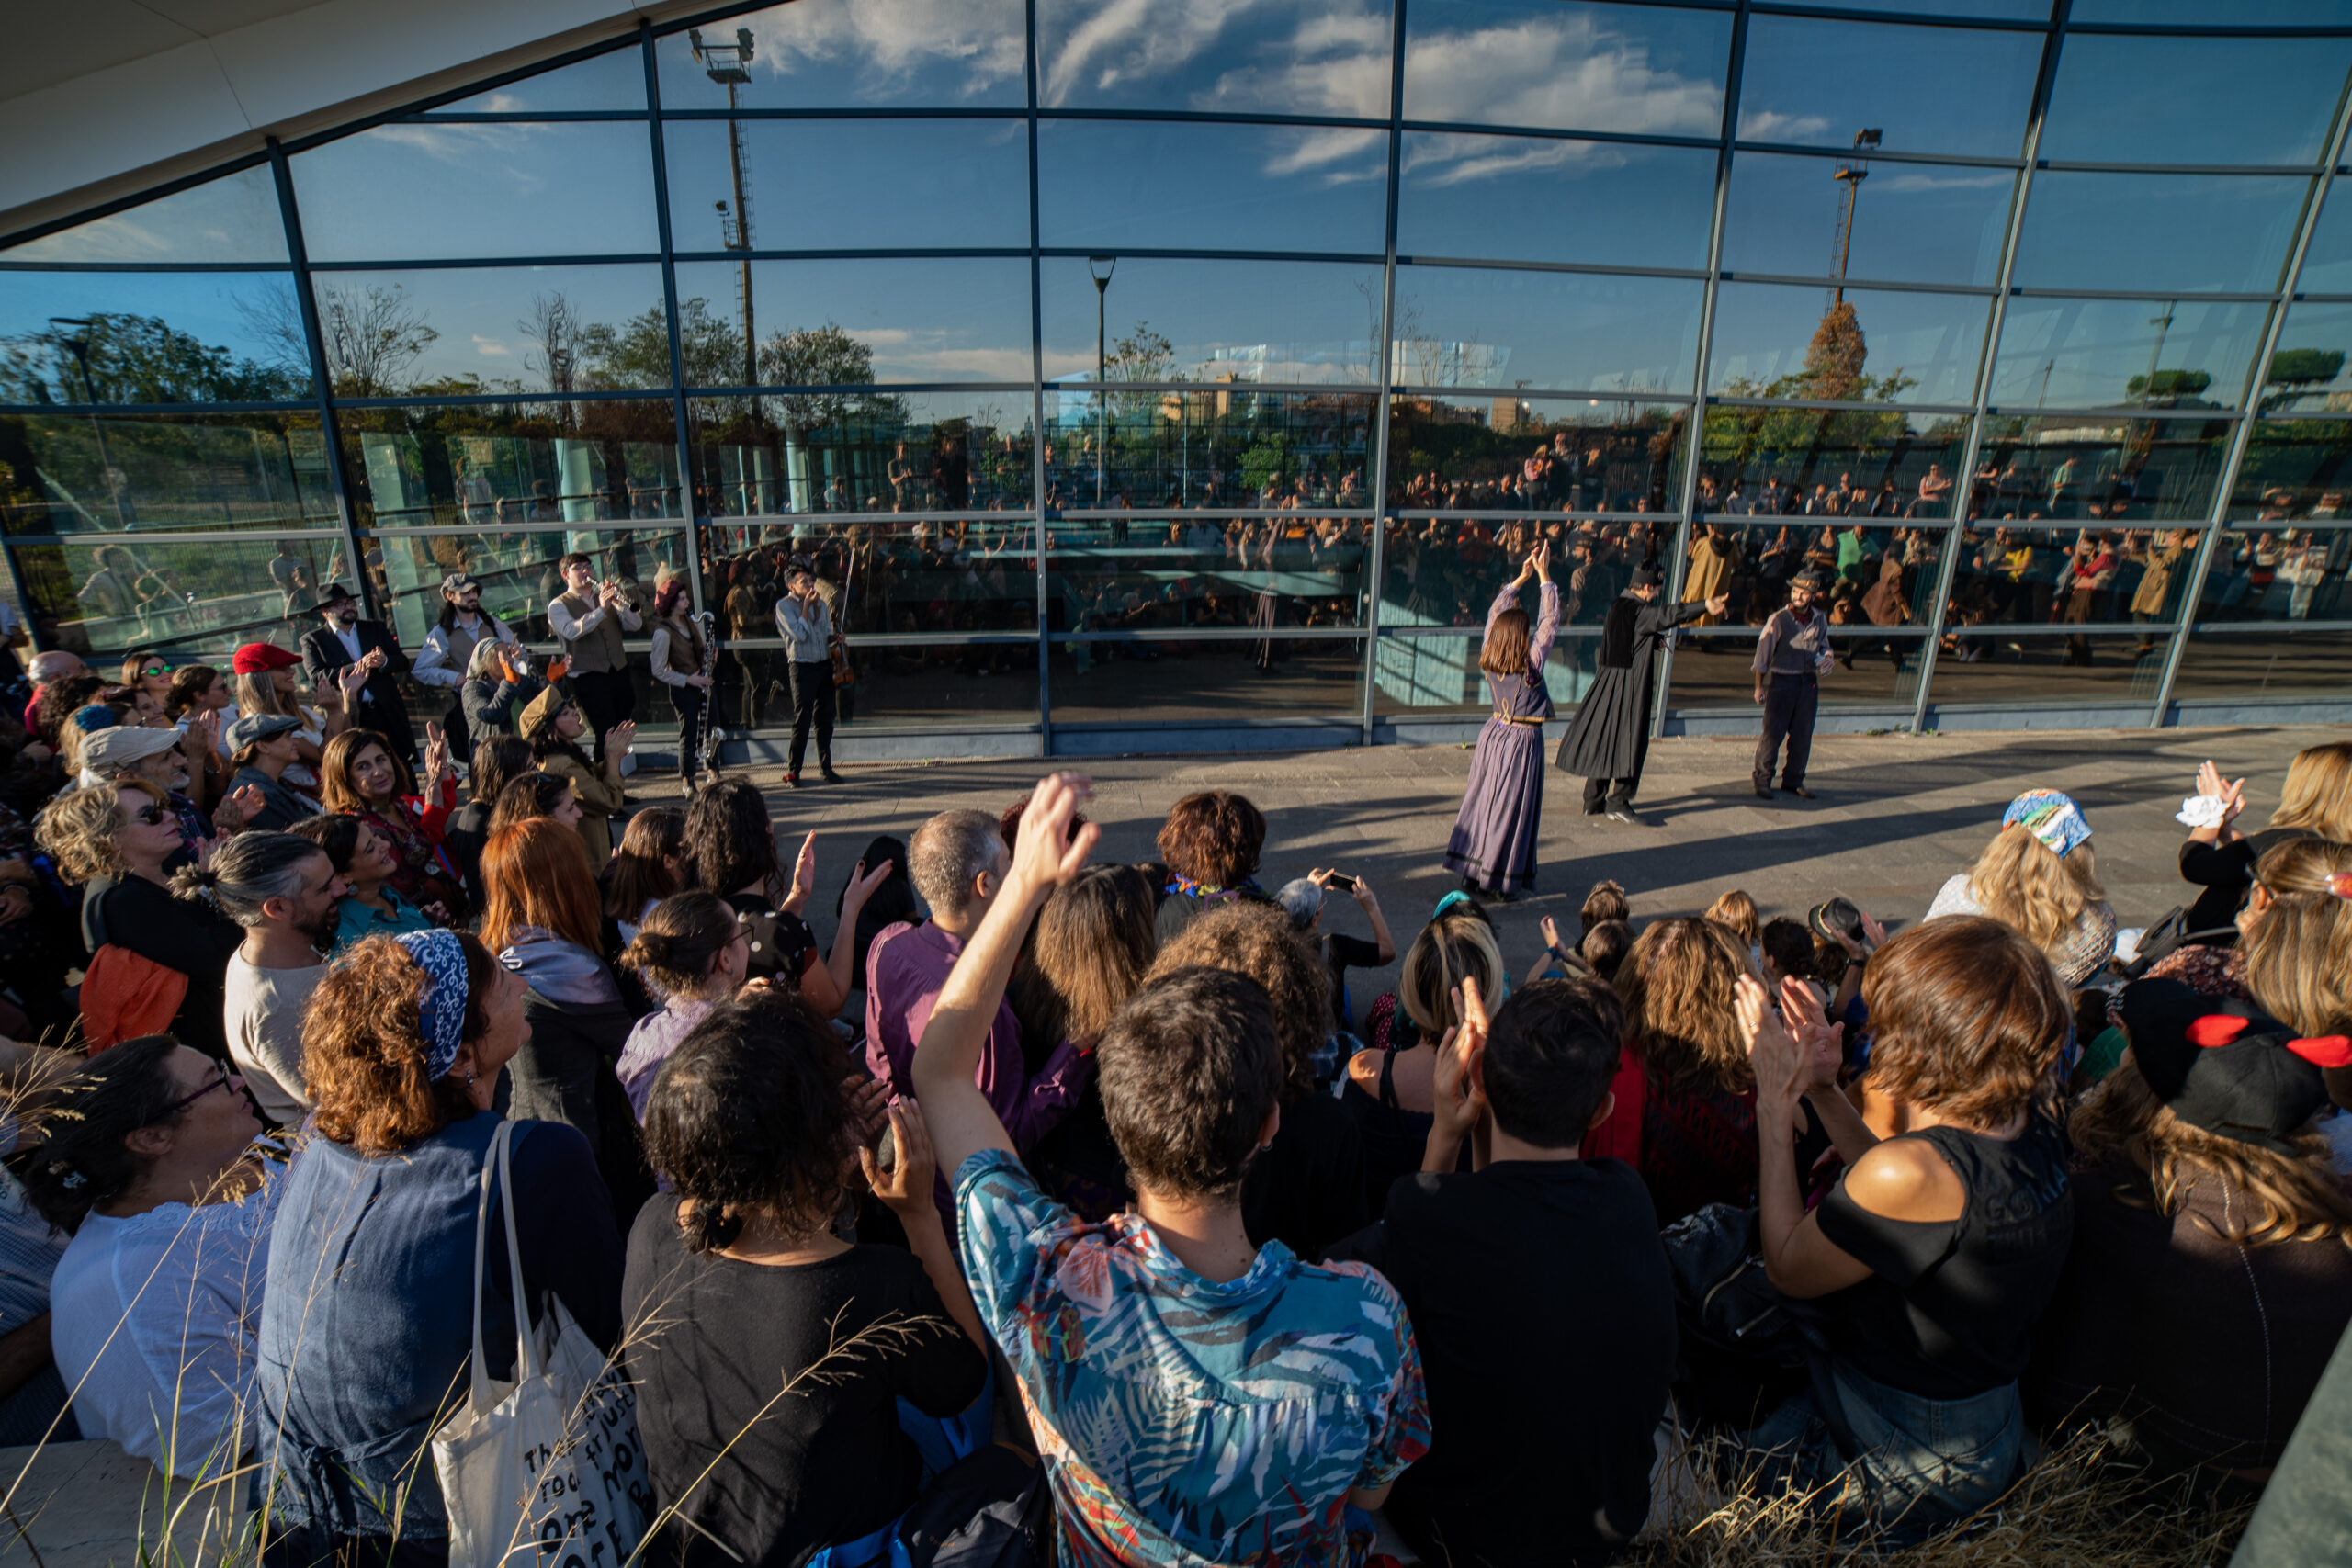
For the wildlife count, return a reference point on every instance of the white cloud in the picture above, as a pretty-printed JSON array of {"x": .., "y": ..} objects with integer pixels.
[
  {"x": 887, "y": 42},
  {"x": 1569, "y": 71},
  {"x": 1910, "y": 183},
  {"x": 490, "y": 347}
]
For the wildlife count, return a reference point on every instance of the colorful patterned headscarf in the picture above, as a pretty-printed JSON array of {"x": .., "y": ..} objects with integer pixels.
[
  {"x": 443, "y": 1012},
  {"x": 2049, "y": 815}
]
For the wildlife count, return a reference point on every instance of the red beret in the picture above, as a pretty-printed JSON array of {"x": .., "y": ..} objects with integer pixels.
[{"x": 260, "y": 658}]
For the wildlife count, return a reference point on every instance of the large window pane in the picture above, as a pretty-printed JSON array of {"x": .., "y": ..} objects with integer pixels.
[
  {"x": 151, "y": 337},
  {"x": 401, "y": 192},
  {"x": 2276, "y": 664},
  {"x": 195, "y": 602},
  {"x": 1554, "y": 200},
  {"x": 2328, "y": 261},
  {"x": 503, "y": 465},
  {"x": 1824, "y": 463},
  {"x": 1157, "y": 186},
  {"x": 1569, "y": 331},
  {"x": 2200, "y": 14},
  {"x": 504, "y": 329},
  {"x": 862, "y": 452},
  {"x": 1512, "y": 454},
  {"x": 1166, "y": 572},
  {"x": 2306, "y": 371},
  {"x": 1878, "y": 346},
  {"x": 2295, "y": 468},
  {"x": 1990, "y": 10},
  {"x": 1912, "y": 223},
  {"x": 1213, "y": 448},
  {"x": 1437, "y": 677},
  {"x": 2280, "y": 574},
  {"x": 1206, "y": 679},
  {"x": 1557, "y": 66},
  {"x": 2045, "y": 670},
  {"x": 841, "y": 321},
  {"x": 898, "y": 577},
  {"x": 610, "y": 80},
  {"x": 1205, "y": 321},
  {"x": 2067, "y": 467},
  {"x": 2158, "y": 232},
  {"x": 517, "y": 573},
  {"x": 2117, "y": 98},
  {"x": 1444, "y": 571},
  {"x": 91, "y": 473},
  {"x": 233, "y": 219},
  {"x": 2028, "y": 574},
  {"x": 816, "y": 185},
  {"x": 1326, "y": 57},
  {"x": 1820, "y": 82},
  {"x": 851, "y": 54},
  {"x": 2118, "y": 352}
]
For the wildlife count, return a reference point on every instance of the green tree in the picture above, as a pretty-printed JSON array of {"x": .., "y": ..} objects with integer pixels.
[
  {"x": 124, "y": 358},
  {"x": 637, "y": 352}
]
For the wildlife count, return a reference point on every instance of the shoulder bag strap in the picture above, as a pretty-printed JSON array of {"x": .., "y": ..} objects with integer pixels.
[
  {"x": 524, "y": 1371},
  {"x": 492, "y": 1158}
]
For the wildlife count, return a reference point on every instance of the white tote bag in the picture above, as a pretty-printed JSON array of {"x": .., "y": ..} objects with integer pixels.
[{"x": 548, "y": 1467}]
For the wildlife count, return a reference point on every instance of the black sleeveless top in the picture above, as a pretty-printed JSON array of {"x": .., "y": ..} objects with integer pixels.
[{"x": 1950, "y": 1306}]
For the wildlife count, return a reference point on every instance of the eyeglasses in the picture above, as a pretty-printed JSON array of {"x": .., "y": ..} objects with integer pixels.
[
  {"x": 150, "y": 814},
  {"x": 222, "y": 1080}
]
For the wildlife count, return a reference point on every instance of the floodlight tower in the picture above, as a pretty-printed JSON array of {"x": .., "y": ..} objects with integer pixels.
[
  {"x": 729, "y": 66},
  {"x": 1850, "y": 173}
]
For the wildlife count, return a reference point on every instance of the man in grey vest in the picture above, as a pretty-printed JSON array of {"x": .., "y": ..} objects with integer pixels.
[
  {"x": 449, "y": 648},
  {"x": 1791, "y": 655},
  {"x": 588, "y": 620}
]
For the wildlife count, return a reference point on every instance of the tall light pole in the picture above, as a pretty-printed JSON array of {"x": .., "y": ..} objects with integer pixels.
[
  {"x": 1100, "y": 268},
  {"x": 729, "y": 66},
  {"x": 79, "y": 347},
  {"x": 1850, "y": 173}
]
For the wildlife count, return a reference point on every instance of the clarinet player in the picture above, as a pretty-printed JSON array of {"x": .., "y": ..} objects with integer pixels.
[{"x": 681, "y": 662}]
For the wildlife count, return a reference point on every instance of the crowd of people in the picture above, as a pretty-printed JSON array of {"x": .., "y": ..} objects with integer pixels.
[{"x": 1111, "y": 1194}]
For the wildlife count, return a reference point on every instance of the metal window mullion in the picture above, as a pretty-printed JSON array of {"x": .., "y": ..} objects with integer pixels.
[
  {"x": 1964, "y": 481},
  {"x": 1038, "y": 400},
  {"x": 321, "y": 386},
  {"x": 2193, "y": 592},
  {"x": 677, "y": 351},
  {"x": 1698, "y": 435},
  {"x": 1375, "y": 566}
]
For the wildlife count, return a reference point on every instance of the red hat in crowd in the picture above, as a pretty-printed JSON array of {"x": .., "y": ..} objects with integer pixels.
[{"x": 261, "y": 657}]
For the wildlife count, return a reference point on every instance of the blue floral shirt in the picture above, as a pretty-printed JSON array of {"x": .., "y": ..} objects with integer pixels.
[{"x": 1183, "y": 1421}]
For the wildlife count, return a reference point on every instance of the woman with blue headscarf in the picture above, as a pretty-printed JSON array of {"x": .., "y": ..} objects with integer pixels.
[
  {"x": 368, "y": 1321},
  {"x": 2039, "y": 876}
]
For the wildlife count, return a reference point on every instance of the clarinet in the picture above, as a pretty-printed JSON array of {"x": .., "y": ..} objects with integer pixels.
[{"x": 712, "y": 736}]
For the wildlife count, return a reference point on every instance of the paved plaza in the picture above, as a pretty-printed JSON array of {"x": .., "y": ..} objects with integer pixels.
[{"x": 1897, "y": 815}]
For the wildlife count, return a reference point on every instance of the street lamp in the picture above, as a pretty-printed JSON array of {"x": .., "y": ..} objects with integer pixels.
[
  {"x": 1101, "y": 267},
  {"x": 729, "y": 66},
  {"x": 79, "y": 347}
]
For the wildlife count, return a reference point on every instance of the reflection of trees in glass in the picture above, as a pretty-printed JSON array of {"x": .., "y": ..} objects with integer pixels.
[
  {"x": 1805, "y": 446},
  {"x": 2301, "y": 459},
  {"x": 2170, "y": 389},
  {"x": 120, "y": 358},
  {"x": 372, "y": 334},
  {"x": 2296, "y": 371}
]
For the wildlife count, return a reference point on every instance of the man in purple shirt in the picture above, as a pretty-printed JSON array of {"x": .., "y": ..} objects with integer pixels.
[{"x": 957, "y": 861}]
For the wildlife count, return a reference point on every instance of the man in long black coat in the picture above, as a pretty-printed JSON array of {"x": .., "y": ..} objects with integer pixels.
[
  {"x": 342, "y": 639},
  {"x": 1609, "y": 740}
]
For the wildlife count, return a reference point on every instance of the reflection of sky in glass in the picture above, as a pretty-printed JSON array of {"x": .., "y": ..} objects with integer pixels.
[
  {"x": 1546, "y": 199},
  {"x": 2313, "y": 331},
  {"x": 2327, "y": 262},
  {"x": 1171, "y": 186},
  {"x": 252, "y": 315},
  {"x": 1272, "y": 322},
  {"x": 612, "y": 81},
  {"x": 1551, "y": 331},
  {"x": 1931, "y": 340},
  {"x": 1914, "y": 222},
  {"x": 1990, "y": 10},
  {"x": 1566, "y": 66},
  {"x": 2194, "y": 100},
  {"x": 484, "y": 315},
  {"x": 572, "y": 187},
  {"x": 2158, "y": 232},
  {"x": 1321, "y": 57},
  {"x": 854, "y": 184},
  {"x": 966, "y": 320},
  {"x": 2202, "y": 14},
  {"x": 1819, "y": 82},
  {"x": 851, "y": 54},
  {"x": 233, "y": 219},
  {"x": 2084, "y": 353}
]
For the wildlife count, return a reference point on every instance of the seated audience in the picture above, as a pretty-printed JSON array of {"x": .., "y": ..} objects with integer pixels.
[
  {"x": 2316, "y": 802},
  {"x": 535, "y": 794},
  {"x": 737, "y": 1290},
  {"x": 1160, "y": 1443},
  {"x": 552, "y": 725},
  {"x": 285, "y": 893},
  {"x": 363, "y": 858},
  {"x": 1390, "y": 1089},
  {"x": 1604, "y": 948},
  {"x": 263, "y": 747},
  {"x": 1473, "y": 1256},
  {"x": 693, "y": 954},
  {"x": 148, "y": 1160},
  {"x": 890, "y": 903},
  {"x": 729, "y": 849},
  {"x": 1091, "y": 945},
  {"x": 2206, "y": 1214},
  {"x": 497, "y": 759},
  {"x": 648, "y": 866},
  {"x": 1303, "y": 900},
  {"x": 1935, "y": 1254},
  {"x": 499, "y": 683},
  {"x": 1211, "y": 844},
  {"x": 363, "y": 776},
  {"x": 367, "y": 1324},
  {"x": 1685, "y": 1116},
  {"x": 1737, "y": 912},
  {"x": 2039, "y": 876}
]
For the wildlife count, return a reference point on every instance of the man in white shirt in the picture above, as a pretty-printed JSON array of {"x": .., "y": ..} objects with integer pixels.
[
  {"x": 588, "y": 620},
  {"x": 806, "y": 624},
  {"x": 342, "y": 639},
  {"x": 284, "y": 891},
  {"x": 449, "y": 648}
]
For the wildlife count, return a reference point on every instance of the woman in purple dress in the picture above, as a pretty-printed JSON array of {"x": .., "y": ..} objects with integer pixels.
[{"x": 1493, "y": 845}]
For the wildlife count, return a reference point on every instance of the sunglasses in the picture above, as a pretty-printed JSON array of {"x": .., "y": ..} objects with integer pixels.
[
  {"x": 151, "y": 814},
  {"x": 157, "y": 670},
  {"x": 221, "y": 1081}
]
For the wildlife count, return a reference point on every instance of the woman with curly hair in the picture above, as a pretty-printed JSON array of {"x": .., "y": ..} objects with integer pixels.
[
  {"x": 1211, "y": 844},
  {"x": 2206, "y": 1214},
  {"x": 363, "y": 776},
  {"x": 737, "y": 1290},
  {"x": 368, "y": 1322},
  {"x": 2040, "y": 878}
]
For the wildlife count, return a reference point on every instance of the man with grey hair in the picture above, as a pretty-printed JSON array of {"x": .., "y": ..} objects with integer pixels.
[
  {"x": 957, "y": 861},
  {"x": 285, "y": 892}
]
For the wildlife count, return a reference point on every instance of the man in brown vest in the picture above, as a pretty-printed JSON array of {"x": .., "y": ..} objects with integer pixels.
[{"x": 588, "y": 620}]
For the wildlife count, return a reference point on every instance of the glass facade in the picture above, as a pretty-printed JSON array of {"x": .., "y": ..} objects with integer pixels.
[{"x": 1125, "y": 368}]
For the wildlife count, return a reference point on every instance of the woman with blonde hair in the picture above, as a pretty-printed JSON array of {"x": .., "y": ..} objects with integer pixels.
[
  {"x": 2208, "y": 1214},
  {"x": 2040, "y": 878},
  {"x": 1685, "y": 1116},
  {"x": 2316, "y": 802},
  {"x": 268, "y": 680}
]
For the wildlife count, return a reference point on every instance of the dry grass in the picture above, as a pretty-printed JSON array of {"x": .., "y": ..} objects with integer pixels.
[{"x": 2077, "y": 1507}]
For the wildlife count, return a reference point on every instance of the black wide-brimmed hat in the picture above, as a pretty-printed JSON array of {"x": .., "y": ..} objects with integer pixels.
[{"x": 1647, "y": 576}]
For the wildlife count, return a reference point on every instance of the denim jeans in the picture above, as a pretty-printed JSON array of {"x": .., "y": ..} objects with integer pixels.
[{"x": 1922, "y": 1462}]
